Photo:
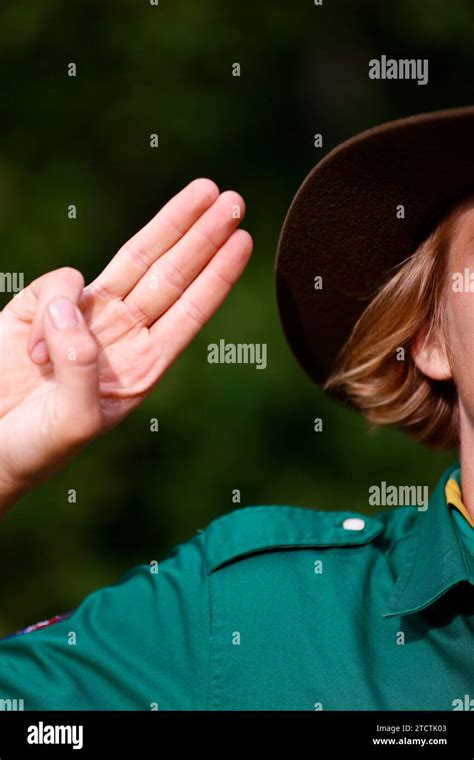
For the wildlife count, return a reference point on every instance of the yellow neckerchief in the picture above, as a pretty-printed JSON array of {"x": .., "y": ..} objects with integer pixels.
[{"x": 453, "y": 496}]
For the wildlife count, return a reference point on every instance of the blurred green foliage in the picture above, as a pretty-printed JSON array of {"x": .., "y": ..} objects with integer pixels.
[{"x": 85, "y": 140}]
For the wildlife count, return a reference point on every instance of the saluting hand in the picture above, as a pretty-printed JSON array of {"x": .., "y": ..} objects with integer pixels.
[{"x": 76, "y": 360}]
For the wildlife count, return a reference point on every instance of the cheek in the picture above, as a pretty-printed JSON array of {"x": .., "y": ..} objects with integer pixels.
[{"x": 460, "y": 336}]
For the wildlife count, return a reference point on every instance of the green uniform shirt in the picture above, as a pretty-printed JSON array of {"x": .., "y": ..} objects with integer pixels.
[{"x": 271, "y": 608}]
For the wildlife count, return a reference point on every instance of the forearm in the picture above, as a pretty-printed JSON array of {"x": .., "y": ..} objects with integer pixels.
[{"x": 14, "y": 486}]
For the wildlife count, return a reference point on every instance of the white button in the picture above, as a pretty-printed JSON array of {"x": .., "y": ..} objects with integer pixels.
[{"x": 353, "y": 523}]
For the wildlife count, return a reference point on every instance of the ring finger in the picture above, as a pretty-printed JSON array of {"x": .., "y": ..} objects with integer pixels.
[{"x": 169, "y": 277}]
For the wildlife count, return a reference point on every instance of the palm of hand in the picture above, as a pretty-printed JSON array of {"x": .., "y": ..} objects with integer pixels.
[
  {"x": 128, "y": 357},
  {"x": 137, "y": 316}
]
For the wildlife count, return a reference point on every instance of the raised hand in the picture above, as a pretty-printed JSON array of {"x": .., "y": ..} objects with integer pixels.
[{"x": 76, "y": 360}]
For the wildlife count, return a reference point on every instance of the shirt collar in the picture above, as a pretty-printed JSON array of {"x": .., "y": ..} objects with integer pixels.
[
  {"x": 435, "y": 559},
  {"x": 454, "y": 496}
]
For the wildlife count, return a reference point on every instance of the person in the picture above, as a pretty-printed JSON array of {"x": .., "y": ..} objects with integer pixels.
[{"x": 271, "y": 607}]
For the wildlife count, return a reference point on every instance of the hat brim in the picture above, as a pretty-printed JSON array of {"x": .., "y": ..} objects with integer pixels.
[{"x": 343, "y": 226}]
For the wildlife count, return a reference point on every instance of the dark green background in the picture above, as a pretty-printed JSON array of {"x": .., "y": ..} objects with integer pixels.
[{"x": 167, "y": 69}]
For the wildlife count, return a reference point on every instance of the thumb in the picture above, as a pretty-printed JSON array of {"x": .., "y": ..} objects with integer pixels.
[{"x": 74, "y": 354}]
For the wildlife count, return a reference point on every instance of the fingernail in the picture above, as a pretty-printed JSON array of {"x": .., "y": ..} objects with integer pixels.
[
  {"x": 39, "y": 353},
  {"x": 63, "y": 314}
]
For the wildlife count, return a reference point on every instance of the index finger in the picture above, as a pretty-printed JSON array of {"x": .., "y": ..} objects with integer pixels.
[{"x": 136, "y": 256}]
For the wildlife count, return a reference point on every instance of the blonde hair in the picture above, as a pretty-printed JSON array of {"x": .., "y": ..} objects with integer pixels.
[{"x": 369, "y": 373}]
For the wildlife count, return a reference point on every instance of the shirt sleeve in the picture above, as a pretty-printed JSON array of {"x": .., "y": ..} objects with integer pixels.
[{"x": 140, "y": 644}]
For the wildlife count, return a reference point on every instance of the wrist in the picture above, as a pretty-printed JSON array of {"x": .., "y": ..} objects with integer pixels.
[
  {"x": 9, "y": 492},
  {"x": 12, "y": 488}
]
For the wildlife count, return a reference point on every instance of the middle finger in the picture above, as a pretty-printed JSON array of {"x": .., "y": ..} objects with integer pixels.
[{"x": 167, "y": 279}]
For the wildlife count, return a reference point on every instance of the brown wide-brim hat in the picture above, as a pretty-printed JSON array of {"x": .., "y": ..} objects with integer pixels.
[{"x": 343, "y": 226}]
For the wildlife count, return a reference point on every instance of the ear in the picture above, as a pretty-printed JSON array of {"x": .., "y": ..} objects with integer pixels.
[{"x": 430, "y": 356}]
